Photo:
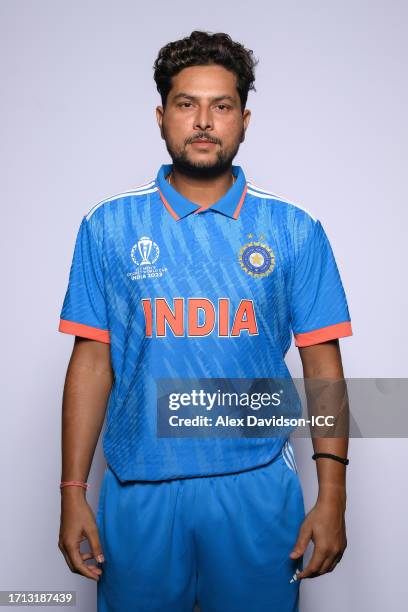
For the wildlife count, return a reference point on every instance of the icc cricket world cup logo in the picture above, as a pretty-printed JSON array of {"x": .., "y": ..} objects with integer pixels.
[{"x": 145, "y": 252}]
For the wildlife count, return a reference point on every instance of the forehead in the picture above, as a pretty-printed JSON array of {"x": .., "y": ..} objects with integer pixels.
[{"x": 205, "y": 81}]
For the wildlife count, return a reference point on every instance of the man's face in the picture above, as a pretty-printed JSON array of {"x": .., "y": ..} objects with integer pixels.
[{"x": 203, "y": 104}]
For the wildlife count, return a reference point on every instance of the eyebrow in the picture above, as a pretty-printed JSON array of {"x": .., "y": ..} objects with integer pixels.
[{"x": 216, "y": 99}]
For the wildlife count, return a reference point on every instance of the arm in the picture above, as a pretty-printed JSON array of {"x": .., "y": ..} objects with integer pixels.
[
  {"x": 87, "y": 387},
  {"x": 325, "y": 523}
]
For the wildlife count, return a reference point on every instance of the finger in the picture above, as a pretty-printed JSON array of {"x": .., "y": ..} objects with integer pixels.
[
  {"x": 66, "y": 557},
  {"x": 304, "y": 537},
  {"x": 95, "y": 569},
  {"x": 85, "y": 556},
  {"x": 328, "y": 565},
  {"x": 94, "y": 543},
  {"x": 313, "y": 567},
  {"x": 88, "y": 555},
  {"x": 336, "y": 562},
  {"x": 78, "y": 564}
]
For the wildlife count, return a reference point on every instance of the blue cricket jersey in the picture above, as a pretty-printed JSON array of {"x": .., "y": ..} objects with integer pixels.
[{"x": 180, "y": 291}]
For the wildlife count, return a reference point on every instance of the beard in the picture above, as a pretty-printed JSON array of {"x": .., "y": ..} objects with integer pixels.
[{"x": 203, "y": 169}]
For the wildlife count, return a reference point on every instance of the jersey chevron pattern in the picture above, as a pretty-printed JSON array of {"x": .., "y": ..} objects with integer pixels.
[{"x": 180, "y": 291}]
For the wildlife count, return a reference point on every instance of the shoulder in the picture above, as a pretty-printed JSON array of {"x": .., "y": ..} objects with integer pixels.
[
  {"x": 286, "y": 207},
  {"x": 118, "y": 199}
]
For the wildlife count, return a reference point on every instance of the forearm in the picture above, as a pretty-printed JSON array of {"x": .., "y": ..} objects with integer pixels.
[
  {"x": 86, "y": 392},
  {"x": 331, "y": 474},
  {"x": 326, "y": 391}
]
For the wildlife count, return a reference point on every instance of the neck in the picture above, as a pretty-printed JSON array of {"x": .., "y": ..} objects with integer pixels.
[{"x": 203, "y": 192}]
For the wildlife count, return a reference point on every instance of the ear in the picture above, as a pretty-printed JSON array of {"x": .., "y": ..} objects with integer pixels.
[
  {"x": 245, "y": 118},
  {"x": 159, "y": 118}
]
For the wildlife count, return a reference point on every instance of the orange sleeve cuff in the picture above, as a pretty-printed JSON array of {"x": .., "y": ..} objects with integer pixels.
[
  {"x": 79, "y": 329},
  {"x": 339, "y": 330}
]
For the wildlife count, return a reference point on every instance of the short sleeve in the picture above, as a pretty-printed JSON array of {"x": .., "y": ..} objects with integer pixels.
[
  {"x": 84, "y": 309},
  {"x": 319, "y": 309}
]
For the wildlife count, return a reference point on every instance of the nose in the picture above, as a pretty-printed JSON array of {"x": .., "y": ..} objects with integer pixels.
[{"x": 203, "y": 119}]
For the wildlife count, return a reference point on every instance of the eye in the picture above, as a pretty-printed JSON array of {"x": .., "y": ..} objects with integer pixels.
[
  {"x": 223, "y": 107},
  {"x": 187, "y": 104}
]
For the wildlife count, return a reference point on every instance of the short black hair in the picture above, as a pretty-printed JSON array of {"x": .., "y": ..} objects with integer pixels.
[{"x": 201, "y": 49}]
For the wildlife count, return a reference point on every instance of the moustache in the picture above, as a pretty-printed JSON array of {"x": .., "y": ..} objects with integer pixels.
[{"x": 203, "y": 137}]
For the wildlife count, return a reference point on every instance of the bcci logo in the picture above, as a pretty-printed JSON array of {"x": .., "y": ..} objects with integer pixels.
[
  {"x": 144, "y": 255},
  {"x": 257, "y": 258}
]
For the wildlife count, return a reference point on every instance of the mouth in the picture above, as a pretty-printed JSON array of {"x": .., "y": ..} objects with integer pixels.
[{"x": 203, "y": 143}]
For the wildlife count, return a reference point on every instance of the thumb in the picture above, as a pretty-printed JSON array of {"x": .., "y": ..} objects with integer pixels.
[
  {"x": 303, "y": 540},
  {"x": 95, "y": 545}
]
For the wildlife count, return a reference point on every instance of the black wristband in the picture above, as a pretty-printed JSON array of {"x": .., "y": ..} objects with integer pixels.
[{"x": 330, "y": 456}]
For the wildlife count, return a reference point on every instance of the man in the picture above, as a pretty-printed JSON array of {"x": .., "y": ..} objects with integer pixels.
[{"x": 198, "y": 273}]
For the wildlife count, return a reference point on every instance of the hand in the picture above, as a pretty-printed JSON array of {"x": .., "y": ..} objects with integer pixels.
[
  {"x": 78, "y": 524},
  {"x": 325, "y": 525}
]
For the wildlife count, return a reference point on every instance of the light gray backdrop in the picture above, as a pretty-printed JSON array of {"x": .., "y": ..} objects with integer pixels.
[{"x": 328, "y": 131}]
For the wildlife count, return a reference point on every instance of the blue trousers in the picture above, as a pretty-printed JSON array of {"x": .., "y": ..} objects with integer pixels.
[{"x": 223, "y": 541}]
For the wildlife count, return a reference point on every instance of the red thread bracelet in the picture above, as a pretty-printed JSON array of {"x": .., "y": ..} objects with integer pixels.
[{"x": 76, "y": 483}]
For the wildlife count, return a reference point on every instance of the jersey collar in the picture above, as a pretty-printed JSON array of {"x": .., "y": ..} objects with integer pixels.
[{"x": 179, "y": 207}]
